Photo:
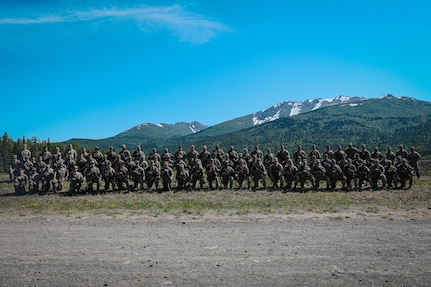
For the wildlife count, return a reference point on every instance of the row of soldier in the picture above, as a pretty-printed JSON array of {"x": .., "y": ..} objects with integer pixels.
[{"x": 131, "y": 171}]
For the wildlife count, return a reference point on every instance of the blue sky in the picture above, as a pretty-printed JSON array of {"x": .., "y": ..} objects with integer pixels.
[{"x": 92, "y": 69}]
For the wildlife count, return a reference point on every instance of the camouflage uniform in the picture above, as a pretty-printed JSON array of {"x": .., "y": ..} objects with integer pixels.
[
  {"x": 289, "y": 174},
  {"x": 70, "y": 153},
  {"x": 318, "y": 172},
  {"x": 152, "y": 174},
  {"x": 192, "y": 155},
  {"x": 46, "y": 155},
  {"x": 351, "y": 151},
  {"x": 242, "y": 174},
  {"x": 299, "y": 153},
  {"x": 219, "y": 153},
  {"x": 122, "y": 177},
  {"x": 167, "y": 175},
  {"x": 401, "y": 153},
  {"x": 138, "y": 155},
  {"x": 413, "y": 158},
  {"x": 363, "y": 173},
  {"x": 33, "y": 183},
  {"x": 14, "y": 168},
  {"x": 167, "y": 157},
  {"x": 197, "y": 173},
  {"x": 25, "y": 154},
  {"x": 180, "y": 154},
  {"x": 212, "y": 171},
  {"x": 227, "y": 175},
  {"x": 93, "y": 177},
  {"x": 258, "y": 172},
  {"x": 303, "y": 174},
  {"x": 20, "y": 182},
  {"x": 377, "y": 171},
  {"x": 405, "y": 173},
  {"x": 364, "y": 154},
  {"x": 47, "y": 177},
  {"x": 391, "y": 175},
  {"x": 349, "y": 171},
  {"x": 109, "y": 176},
  {"x": 275, "y": 173},
  {"x": 314, "y": 152},
  {"x": 76, "y": 180},
  {"x": 182, "y": 178},
  {"x": 138, "y": 176},
  {"x": 61, "y": 175},
  {"x": 333, "y": 174},
  {"x": 125, "y": 154},
  {"x": 205, "y": 156},
  {"x": 283, "y": 155}
]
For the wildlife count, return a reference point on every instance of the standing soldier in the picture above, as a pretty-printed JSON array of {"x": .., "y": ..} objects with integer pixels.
[
  {"x": 376, "y": 154},
  {"x": 401, "y": 153},
  {"x": 405, "y": 173},
  {"x": 364, "y": 154},
  {"x": 233, "y": 156},
  {"x": 329, "y": 152},
  {"x": 413, "y": 158},
  {"x": 70, "y": 153},
  {"x": 205, "y": 156},
  {"x": 61, "y": 175},
  {"x": 111, "y": 155},
  {"x": 122, "y": 177},
  {"x": 125, "y": 154},
  {"x": 283, "y": 155},
  {"x": 167, "y": 175},
  {"x": 351, "y": 151},
  {"x": 14, "y": 168},
  {"x": 349, "y": 170},
  {"x": 167, "y": 157},
  {"x": 192, "y": 154},
  {"x": 339, "y": 154},
  {"x": 219, "y": 153},
  {"x": 138, "y": 176},
  {"x": 390, "y": 155},
  {"x": 20, "y": 182},
  {"x": 138, "y": 155},
  {"x": 154, "y": 156},
  {"x": 97, "y": 155},
  {"x": 47, "y": 177},
  {"x": 46, "y": 155},
  {"x": 313, "y": 152},
  {"x": 179, "y": 154},
  {"x": 391, "y": 175},
  {"x": 299, "y": 153},
  {"x": 268, "y": 157},
  {"x": 25, "y": 153},
  {"x": 257, "y": 152}
]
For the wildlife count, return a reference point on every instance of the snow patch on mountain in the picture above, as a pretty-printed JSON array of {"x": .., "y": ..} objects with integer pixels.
[
  {"x": 296, "y": 109},
  {"x": 159, "y": 125},
  {"x": 257, "y": 121},
  {"x": 193, "y": 128}
]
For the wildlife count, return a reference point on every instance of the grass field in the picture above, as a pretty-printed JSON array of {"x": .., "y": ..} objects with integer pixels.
[{"x": 338, "y": 204}]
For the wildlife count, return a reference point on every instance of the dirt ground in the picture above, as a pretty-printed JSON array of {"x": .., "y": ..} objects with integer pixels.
[{"x": 214, "y": 251}]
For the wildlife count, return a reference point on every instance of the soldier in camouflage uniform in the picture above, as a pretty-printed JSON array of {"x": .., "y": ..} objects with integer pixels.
[
  {"x": 333, "y": 174},
  {"x": 76, "y": 181},
  {"x": 233, "y": 156},
  {"x": 155, "y": 156},
  {"x": 167, "y": 175},
  {"x": 109, "y": 177},
  {"x": 319, "y": 173},
  {"x": 20, "y": 182},
  {"x": 304, "y": 174},
  {"x": 182, "y": 177},
  {"x": 138, "y": 176},
  {"x": 314, "y": 152},
  {"x": 61, "y": 175},
  {"x": 413, "y": 158},
  {"x": 349, "y": 170},
  {"x": 47, "y": 177},
  {"x": 138, "y": 155},
  {"x": 377, "y": 171},
  {"x": 197, "y": 173},
  {"x": 167, "y": 157},
  {"x": 227, "y": 175},
  {"x": 122, "y": 177},
  {"x": 70, "y": 153},
  {"x": 212, "y": 171},
  {"x": 351, "y": 151},
  {"x": 14, "y": 168},
  {"x": 405, "y": 173},
  {"x": 179, "y": 154},
  {"x": 289, "y": 174},
  {"x": 258, "y": 173},
  {"x": 125, "y": 155},
  {"x": 111, "y": 155},
  {"x": 97, "y": 155},
  {"x": 299, "y": 153},
  {"x": 192, "y": 155},
  {"x": 219, "y": 153},
  {"x": 283, "y": 155},
  {"x": 363, "y": 173},
  {"x": 329, "y": 152},
  {"x": 33, "y": 183},
  {"x": 401, "y": 153},
  {"x": 25, "y": 154},
  {"x": 275, "y": 173},
  {"x": 152, "y": 174},
  {"x": 391, "y": 175},
  {"x": 93, "y": 177},
  {"x": 242, "y": 174},
  {"x": 46, "y": 155}
]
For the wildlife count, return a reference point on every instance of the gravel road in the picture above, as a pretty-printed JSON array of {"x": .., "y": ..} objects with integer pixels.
[{"x": 215, "y": 251}]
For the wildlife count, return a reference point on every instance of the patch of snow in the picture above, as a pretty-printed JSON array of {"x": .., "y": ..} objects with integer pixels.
[
  {"x": 257, "y": 121},
  {"x": 193, "y": 129},
  {"x": 343, "y": 99},
  {"x": 318, "y": 105},
  {"x": 296, "y": 109},
  {"x": 354, "y": 105},
  {"x": 159, "y": 125}
]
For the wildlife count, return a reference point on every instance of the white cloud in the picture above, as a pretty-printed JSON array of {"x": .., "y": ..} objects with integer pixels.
[{"x": 187, "y": 26}]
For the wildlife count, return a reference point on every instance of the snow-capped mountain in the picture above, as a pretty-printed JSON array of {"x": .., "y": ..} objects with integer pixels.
[
  {"x": 151, "y": 130},
  {"x": 289, "y": 108}
]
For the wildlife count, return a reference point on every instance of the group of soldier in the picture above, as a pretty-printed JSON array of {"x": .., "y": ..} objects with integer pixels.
[{"x": 127, "y": 171}]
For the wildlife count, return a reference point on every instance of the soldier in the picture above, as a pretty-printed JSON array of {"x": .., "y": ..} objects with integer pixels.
[
  {"x": 14, "y": 168},
  {"x": 76, "y": 180},
  {"x": 363, "y": 173},
  {"x": 27, "y": 166},
  {"x": 401, "y": 152},
  {"x": 197, "y": 173},
  {"x": 138, "y": 155},
  {"x": 267, "y": 159},
  {"x": 329, "y": 152},
  {"x": 182, "y": 178},
  {"x": 125, "y": 154},
  {"x": 391, "y": 175},
  {"x": 242, "y": 174},
  {"x": 40, "y": 165},
  {"x": 205, "y": 156},
  {"x": 152, "y": 174},
  {"x": 46, "y": 155},
  {"x": 257, "y": 152},
  {"x": 93, "y": 177},
  {"x": 376, "y": 154},
  {"x": 390, "y": 155},
  {"x": 212, "y": 171},
  {"x": 303, "y": 174},
  {"x": 258, "y": 173},
  {"x": 247, "y": 157},
  {"x": 179, "y": 154},
  {"x": 314, "y": 152},
  {"x": 233, "y": 156},
  {"x": 289, "y": 174},
  {"x": 283, "y": 155},
  {"x": 333, "y": 174},
  {"x": 70, "y": 153},
  {"x": 111, "y": 155},
  {"x": 349, "y": 170},
  {"x": 275, "y": 173},
  {"x": 97, "y": 155},
  {"x": 377, "y": 171},
  {"x": 154, "y": 156},
  {"x": 194, "y": 161},
  {"x": 167, "y": 175},
  {"x": 299, "y": 153},
  {"x": 319, "y": 173},
  {"x": 364, "y": 154},
  {"x": 33, "y": 183},
  {"x": 227, "y": 175},
  {"x": 413, "y": 158},
  {"x": 405, "y": 172},
  {"x": 167, "y": 157},
  {"x": 192, "y": 154},
  {"x": 20, "y": 182},
  {"x": 61, "y": 175},
  {"x": 109, "y": 176},
  {"x": 82, "y": 163},
  {"x": 25, "y": 153},
  {"x": 219, "y": 153},
  {"x": 138, "y": 176},
  {"x": 351, "y": 151},
  {"x": 339, "y": 154},
  {"x": 122, "y": 177},
  {"x": 56, "y": 155}
]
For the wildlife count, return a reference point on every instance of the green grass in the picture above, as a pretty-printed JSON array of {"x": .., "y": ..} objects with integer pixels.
[{"x": 222, "y": 202}]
